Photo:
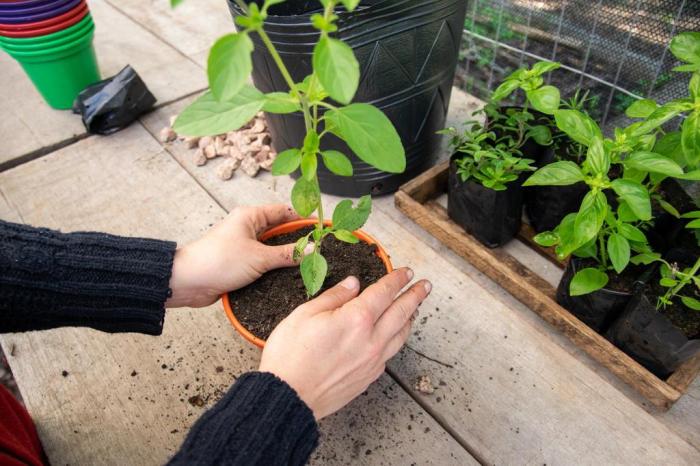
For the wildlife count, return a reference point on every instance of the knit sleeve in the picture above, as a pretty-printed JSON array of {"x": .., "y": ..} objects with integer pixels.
[
  {"x": 51, "y": 279},
  {"x": 260, "y": 421}
]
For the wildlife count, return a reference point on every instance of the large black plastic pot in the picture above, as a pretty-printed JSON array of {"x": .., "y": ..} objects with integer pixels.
[
  {"x": 598, "y": 309},
  {"x": 407, "y": 51},
  {"x": 546, "y": 206},
  {"x": 650, "y": 338},
  {"x": 492, "y": 217}
]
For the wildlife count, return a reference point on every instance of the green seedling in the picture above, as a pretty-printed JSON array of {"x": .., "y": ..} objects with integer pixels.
[{"x": 323, "y": 98}]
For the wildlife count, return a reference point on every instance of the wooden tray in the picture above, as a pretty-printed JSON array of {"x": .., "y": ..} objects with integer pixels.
[{"x": 417, "y": 199}]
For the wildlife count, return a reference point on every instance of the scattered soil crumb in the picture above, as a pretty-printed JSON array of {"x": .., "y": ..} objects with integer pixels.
[
  {"x": 196, "y": 400},
  {"x": 219, "y": 368},
  {"x": 424, "y": 385},
  {"x": 64, "y": 373},
  {"x": 134, "y": 373}
]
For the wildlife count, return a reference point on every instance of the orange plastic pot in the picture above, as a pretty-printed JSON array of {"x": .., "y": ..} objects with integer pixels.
[{"x": 288, "y": 228}]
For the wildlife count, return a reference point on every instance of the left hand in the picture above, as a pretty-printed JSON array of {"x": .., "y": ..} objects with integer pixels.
[{"x": 229, "y": 256}]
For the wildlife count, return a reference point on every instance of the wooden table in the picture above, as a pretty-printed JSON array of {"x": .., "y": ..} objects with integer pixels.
[{"x": 510, "y": 390}]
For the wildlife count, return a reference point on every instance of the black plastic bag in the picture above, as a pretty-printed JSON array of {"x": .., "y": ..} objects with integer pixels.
[
  {"x": 492, "y": 217},
  {"x": 650, "y": 338},
  {"x": 114, "y": 103}
]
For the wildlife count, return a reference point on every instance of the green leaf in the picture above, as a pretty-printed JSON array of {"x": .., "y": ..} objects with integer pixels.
[
  {"x": 541, "y": 134},
  {"x": 692, "y": 303},
  {"x": 691, "y": 176},
  {"x": 561, "y": 173},
  {"x": 505, "y": 89},
  {"x": 590, "y": 217},
  {"x": 545, "y": 99},
  {"x": 299, "y": 248},
  {"x": 280, "y": 102},
  {"x": 619, "y": 252},
  {"x": 690, "y": 139},
  {"x": 174, "y": 3},
  {"x": 305, "y": 197},
  {"x": 686, "y": 47},
  {"x": 346, "y": 236},
  {"x": 668, "y": 282},
  {"x": 578, "y": 126},
  {"x": 229, "y": 65},
  {"x": 635, "y": 195},
  {"x": 632, "y": 233},
  {"x": 337, "y": 68},
  {"x": 669, "y": 145},
  {"x": 542, "y": 67},
  {"x": 286, "y": 162},
  {"x": 337, "y": 162},
  {"x": 350, "y": 4},
  {"x": 669, "y": 208},
  {"x": 309, "y": 164},
  {"x": 347, "y": 217},
  {"x": 313, "y": 272},
  {"x": 693, "y": 214},
  {"x": 641, "y": 108},
  {"x": 587, "y": 281},
  {"x": 694, "y": 86},
  {"x": 597, "y": 158},
  {"x": 653, "y": 163},
  {"x": 546, "y": 239},
  {"x": 370, "y": 135},
  {"x": 694, "y": 224},
  {"x": 645, "y": 258},
  {"x": 207, "y": 116}
]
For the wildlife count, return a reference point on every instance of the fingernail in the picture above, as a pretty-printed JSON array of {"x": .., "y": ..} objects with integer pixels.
[
  {"x": 350, "y": 283},
  {"x": 409, "y": 273},
  {"x": 309, "y": 249},
  {"x": 428, "y": 286},
  {"x": 414, "y": 316}
]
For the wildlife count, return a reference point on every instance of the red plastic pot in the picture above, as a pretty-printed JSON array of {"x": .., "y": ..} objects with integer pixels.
[
  {"x": 46, "y": 26},
  {"x": 288, "y": 228},
  {"x": 22, "y": 10}
]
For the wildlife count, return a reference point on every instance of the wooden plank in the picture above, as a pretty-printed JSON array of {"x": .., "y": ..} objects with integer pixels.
[
  {"x": 191, "y": 28},
  {"x": 126, "y": 184},
  {"x": 552, "y": 409},
  {"x": 29, "y": 127}
]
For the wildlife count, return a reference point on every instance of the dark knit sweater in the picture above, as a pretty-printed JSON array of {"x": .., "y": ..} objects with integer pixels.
[{"x": 50, "y": 279}]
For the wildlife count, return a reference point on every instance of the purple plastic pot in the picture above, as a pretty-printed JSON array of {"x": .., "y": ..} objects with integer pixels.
[
  {"x": 24, "y": 10},
  {"x": 25, "y": 3},
  {"x": 40, "y": 16}
]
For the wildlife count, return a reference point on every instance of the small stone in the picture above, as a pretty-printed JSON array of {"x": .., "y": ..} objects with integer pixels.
[
  {"x": 267, "y": 164},
  {"x": 204, "y": 142},
  {"x": 220, "y": 147},
  {"x": 210, "y": 151},
  {"x": 199, "y": 158},
  {"x": 226, "y": 169},
  {"x": 258, "y": 126},
  {"x": 250, "y": 167},
  {"x": 167, "y": 135},
  {"x": 191, "y": 143},
  {"x": 263, "y": 154},
  {"x": 424, "y": 385},
  {"x": 235, "y": 153}
]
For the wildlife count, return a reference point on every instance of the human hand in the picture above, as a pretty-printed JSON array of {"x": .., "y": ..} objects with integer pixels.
[
  {"x": 332, "y": 348},
  {"x": 229, "y": 256}
]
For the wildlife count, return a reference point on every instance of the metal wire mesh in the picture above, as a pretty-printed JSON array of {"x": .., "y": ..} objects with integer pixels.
[{"x": 617, "y": 50}]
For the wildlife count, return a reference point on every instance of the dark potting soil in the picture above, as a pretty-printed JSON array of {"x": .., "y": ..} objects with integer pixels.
[
  {"x": 685, "y": 319},
  {"x": 262, "y": 305}
]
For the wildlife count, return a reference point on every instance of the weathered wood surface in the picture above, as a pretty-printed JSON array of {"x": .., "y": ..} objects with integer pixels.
[
  {"x": 414, "y": 199},
  {"x": 512, "y": 390},
  {"x": 125, "y": 397},
  {"x": 29, "y": 127},
  {"x": 191, "y": 28}
]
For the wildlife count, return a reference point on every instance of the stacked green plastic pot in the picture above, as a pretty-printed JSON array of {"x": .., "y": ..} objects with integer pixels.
[{"x": 53, "y": 42}]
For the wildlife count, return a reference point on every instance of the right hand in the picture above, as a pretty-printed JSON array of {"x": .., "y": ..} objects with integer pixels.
[{"x": 332, "y": 348}]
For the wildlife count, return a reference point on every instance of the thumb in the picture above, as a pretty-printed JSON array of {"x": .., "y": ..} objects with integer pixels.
[
  {"x": 335, "y": 297},
  {"x": 276, "y": 257}
]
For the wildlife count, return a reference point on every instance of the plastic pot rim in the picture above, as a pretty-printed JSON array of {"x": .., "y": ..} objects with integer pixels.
[
  {"x": 31, "y": 10},
  {"x": 54, "y": 53},
  {"x": 288, "y": 228},
  {"x": 56, "y": 23},
  {"x": 87, "y": 19},
  {"x": 40, "y": 16},
  {"x": 73, "y": 36}
]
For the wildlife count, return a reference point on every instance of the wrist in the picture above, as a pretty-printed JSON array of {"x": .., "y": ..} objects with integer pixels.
[{"x": 184, "y": 281}]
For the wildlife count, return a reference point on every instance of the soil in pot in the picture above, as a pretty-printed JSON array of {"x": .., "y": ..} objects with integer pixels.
[
  {"x": 262, "y": 305},
  {"x": 492, "y": 217},
  {"x": 546, "y": 206},
  {"x": 600, "y": 308},
  {"x": 668, "y": 231},
  {"x": 660, "y": 340}
]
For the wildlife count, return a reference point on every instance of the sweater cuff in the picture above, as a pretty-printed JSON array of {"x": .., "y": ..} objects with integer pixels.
[
  {"x": 261, "y": 420},
  {"x": 51, "y": 279}
]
